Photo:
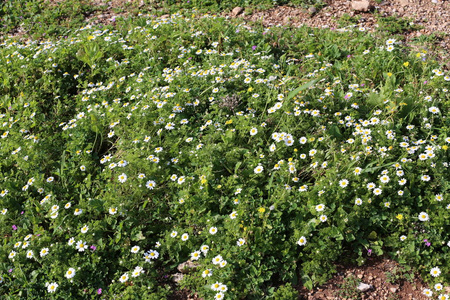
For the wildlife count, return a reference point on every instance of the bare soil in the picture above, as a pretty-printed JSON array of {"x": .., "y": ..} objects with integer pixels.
[{"x": 378, "y": 272}]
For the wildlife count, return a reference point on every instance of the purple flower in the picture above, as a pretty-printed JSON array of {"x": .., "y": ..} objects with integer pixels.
[
  {"x": 14, "y": 227},
  {"x": 99, "y": 291},
  {"x": 10, "y": 270},
  {"x": 253, "y": 48},
  {"x": 22, "y": 212},
  {"x": 93, "y": 248},
  {"x": 369, "y": 251}
]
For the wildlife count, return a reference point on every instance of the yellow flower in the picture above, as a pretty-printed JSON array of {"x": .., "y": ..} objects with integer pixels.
[
  {"x": 389, "y": 74},
  {"x": 91, "y": 37},
  {"x": 445, "y": 147},
  {"x": 228, "y": 122},
  {"x": 406, "y": 64},
  {"x": 250, "y": 89},
  {"x": 261, "y": 209},
  {"x": 400, "y": 217}
]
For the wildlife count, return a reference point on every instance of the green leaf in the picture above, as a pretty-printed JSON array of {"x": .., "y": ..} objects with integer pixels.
[
  {"x": 138, "y": 237},
  {"x": 335, "y": 132},
  {"x": 301, "y": 88},
  {"x": 307, "y": 282},
  {"x": 372, "y": 236}
]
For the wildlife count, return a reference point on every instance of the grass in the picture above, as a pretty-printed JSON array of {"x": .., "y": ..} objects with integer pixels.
[{"x": 264, "y": 155}]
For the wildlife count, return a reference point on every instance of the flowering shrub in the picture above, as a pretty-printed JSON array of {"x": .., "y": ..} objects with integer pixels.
[{"x": 259, "y": 154}]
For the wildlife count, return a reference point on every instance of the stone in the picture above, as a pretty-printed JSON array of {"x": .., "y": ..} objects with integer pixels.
[
  {"x": 393, "y": 290},
  {"x": 363, "y": 287},
  {"x": 404, "y": 2},
  {"x": 236, "y": 11},
  {"x": 312, "y": 10},
  {"x": 177, "y": 277},
  {"x": 363, "y": 6},
  {"x": 187, "y": 267}
]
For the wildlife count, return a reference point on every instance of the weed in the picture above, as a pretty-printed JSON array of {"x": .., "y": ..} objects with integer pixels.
[
  {"x": 400, "y": 273},
  {"x": 348, "y": 288},
  {"x": 346, "y": 20},
  {"x": 396, "y": 25}
]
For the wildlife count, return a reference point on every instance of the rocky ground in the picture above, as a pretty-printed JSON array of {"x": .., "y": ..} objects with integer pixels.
[{"x": 384, "y": 279}]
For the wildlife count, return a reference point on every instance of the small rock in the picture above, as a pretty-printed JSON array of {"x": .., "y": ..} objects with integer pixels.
[
  {"x": 360, "y": 276},
  {"x": 177, "y": 277},
  {"x": 312, "y": 10},
  {"x": 187, "y": 267},
  {"x": 165, "y": 16},
  {"x": 236, "y": 11},
  {"x": 404, "y": 2},
  {"x": 363, "y": 287},
  {"x": 363, "y": 5},
  {"x": 393, "y": 289}
]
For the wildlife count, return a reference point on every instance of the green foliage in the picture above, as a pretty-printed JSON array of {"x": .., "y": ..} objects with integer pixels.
[
  {"x": 348, "y": 289},
  {"x": 285, "y": 292},
  {"x": 400, "y": 273},
  {"x": 396, "y": 25},
  {"x": 41, "y": 18},
  {"x": 264, "y": 155},
  {"x": 346, "y": 20}
]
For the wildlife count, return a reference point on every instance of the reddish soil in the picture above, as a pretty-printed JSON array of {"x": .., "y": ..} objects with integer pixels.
[{"x": 378, "y": 273}]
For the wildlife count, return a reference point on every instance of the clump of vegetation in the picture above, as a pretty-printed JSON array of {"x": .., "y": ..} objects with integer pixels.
[
  {"x": 261, "y": 155},
  {"x": 396, "y": 25}
]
